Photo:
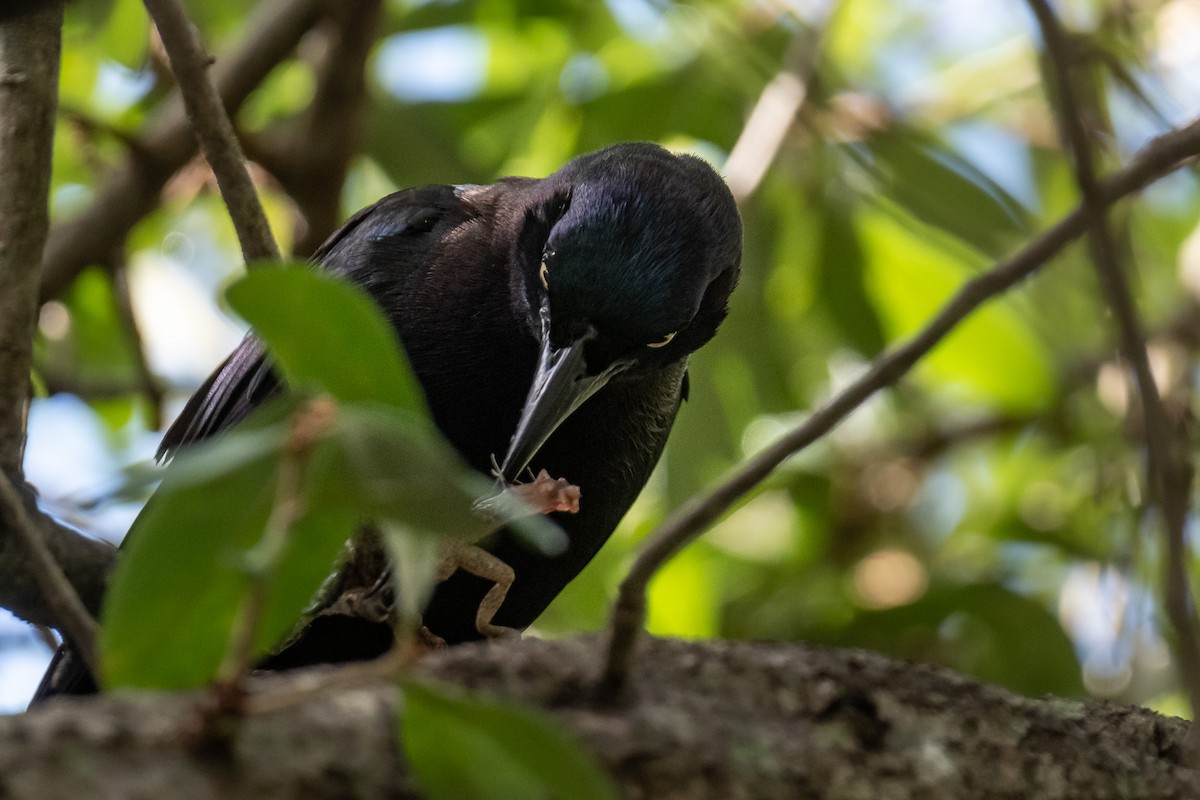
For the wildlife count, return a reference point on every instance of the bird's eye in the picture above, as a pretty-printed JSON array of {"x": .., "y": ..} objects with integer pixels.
[
  {"x": 544, "y": 274},
  {"x": 666, "y": 340}
]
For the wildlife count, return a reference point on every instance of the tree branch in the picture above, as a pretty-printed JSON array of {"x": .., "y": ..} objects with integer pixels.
[
  {"x": 1161, "y": 156},
  {"x": 772, "y": 116},
  {"x": 85, "y": 562},
  {"x": 132, "y": 189},
  {"x": 72, "y": 618},
  {"x": 29, "y": 56},
  {"x": 714, "y": 719},
  {"x": 1168, "y": 468},
  {"x": 312, "y": 153},
  {"x": 213, "y": 129}
]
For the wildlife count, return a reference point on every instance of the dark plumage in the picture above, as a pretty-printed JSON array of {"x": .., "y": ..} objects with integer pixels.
[{"x": 548, "y": 321}]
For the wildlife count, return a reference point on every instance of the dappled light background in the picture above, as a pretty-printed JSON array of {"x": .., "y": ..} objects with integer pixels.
[{"x": 985, "y": 514}]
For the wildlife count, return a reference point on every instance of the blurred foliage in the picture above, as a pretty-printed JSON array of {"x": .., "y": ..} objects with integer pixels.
[{"x": 986, "y": 513}]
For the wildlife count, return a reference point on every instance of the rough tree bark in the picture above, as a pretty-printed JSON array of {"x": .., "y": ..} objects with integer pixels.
[{"x": 706, "y": 720}]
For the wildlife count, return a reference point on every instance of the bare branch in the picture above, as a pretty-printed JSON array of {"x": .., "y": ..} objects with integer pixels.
[
  {"x": 86, "y": 562},
  {"x": 29, "y": 55},
  {"x": 771, "y": 118},
  {"x": 148, "y": 383},
  {"x": 132, "y": 190},
  {"x": 1161, "y": 156},
  {"x": 312, "y": 153},
  {"x": 213, "y": 129},
  {"x": 1168, "y": 468}
]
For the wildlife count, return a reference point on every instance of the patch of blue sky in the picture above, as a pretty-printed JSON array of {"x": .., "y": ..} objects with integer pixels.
[
  {"x": 999, "y": 155},
  {"x": 645, "y": 20},
  {"x": 23, "y": 659},
  {"x": 437, "y": 65},
  {"x": 72, "y": 460},
  {"x": 118, "y": 87},
  {"x": 964, "y": 27}
]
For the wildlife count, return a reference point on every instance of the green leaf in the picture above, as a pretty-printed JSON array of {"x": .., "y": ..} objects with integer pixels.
[
  {"x": 184, "y": 574},
  {"x": 841, "y": 266},
  {"x": 178, "y": 585},
  {"x": 993, "y": 356},
  {"x": 943, "y": 190},
  {"x": 463, "y": 747},
  {"x": 125, "y": 35},
  {"x": 324, "y": 332},
  {"x": 985, "y": 630},
  {"x": 385, "y": 464}
]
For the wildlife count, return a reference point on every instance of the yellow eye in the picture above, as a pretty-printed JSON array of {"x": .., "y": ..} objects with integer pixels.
[
  {"x": 666, "y": 340},
  {"x": 544, "y": 274}
]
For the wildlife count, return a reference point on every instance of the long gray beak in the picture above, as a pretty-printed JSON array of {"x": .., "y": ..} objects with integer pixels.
[{"x": 560, "y": 385}]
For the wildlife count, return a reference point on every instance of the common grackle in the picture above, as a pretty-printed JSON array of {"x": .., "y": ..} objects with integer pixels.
[{"x": 549, "y": 322}]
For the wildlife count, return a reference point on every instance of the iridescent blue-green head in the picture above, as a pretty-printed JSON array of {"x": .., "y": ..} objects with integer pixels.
[{"x": 626, "y": 263}]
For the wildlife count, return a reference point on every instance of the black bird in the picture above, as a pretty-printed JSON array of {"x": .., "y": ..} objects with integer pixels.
[{"x": 549, "y": 323}]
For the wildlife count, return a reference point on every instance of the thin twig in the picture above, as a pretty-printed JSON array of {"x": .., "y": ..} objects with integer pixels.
[
  {"x": 308, "y": 426},
  {"x": 118, "y": 272},
  {"x": 772, "y": 117},
  {"x": 213, "y": 129},
  {"x": 73, "y": 619},
  {"x": 1168, "y": 469},
  {"x": 287, "y": 689},
  {"x": 1161, "y": 156},
  {"x": 312, "y": 153}
]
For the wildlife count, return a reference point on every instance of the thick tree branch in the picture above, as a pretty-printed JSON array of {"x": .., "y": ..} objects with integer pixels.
[
  {"x": 29, "y": 55},
  {"x": 213, "y": 129},
  {"x": 1161, "y": 156},
  {"x": 1168, "y": 467},
  {"x": 713, "y": 720},
  {"x": 29, "y": 58},
  {"x": 132, "y": 189}
]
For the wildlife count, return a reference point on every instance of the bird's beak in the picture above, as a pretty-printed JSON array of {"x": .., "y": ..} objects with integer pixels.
[{"x": 560, "y": 385}]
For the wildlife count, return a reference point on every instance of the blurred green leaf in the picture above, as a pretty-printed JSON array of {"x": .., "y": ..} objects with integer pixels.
[
  {"x": 178, "y": 586},
  {"x": 944, "y": 190},
  {"x": 842, "y": 269},
  {"x": 125, "y": 36},
  {"x": 189, "y": 546},
  {"x": 993, "y": 356},
  {"x": 385, "y": 464},
  {"x": 463, "y": 747},
  {"x": 985, "y": 630}
]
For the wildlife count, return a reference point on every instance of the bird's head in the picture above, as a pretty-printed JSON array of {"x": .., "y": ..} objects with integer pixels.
[{"x": 625, "y": 264}]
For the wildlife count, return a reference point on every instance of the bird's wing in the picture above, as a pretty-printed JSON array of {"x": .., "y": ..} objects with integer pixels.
[{"x": 246, "y": 378}]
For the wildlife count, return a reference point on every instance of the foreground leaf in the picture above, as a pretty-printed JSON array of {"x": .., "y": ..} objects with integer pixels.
[
  {"x": 462, "y": 747},
  {"x": 324, "y": 332}
]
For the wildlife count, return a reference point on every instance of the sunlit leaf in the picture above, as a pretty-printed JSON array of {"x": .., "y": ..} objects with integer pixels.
[
  {"x": 993, "y": 357},
  {"x": 684, "y": 595}
]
